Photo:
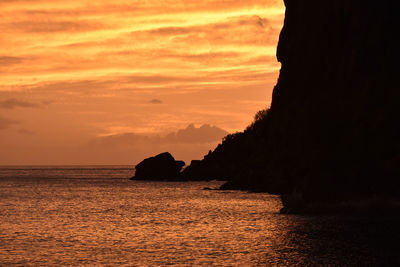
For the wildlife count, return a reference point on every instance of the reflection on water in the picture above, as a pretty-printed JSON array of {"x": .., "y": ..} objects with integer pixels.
[{"x": 114, "y": 221}]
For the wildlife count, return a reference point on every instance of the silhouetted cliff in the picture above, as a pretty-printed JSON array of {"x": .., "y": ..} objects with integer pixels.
[{"x": 332, "y": 131}]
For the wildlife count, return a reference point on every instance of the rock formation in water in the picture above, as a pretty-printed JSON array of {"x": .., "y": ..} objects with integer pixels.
[
  {"x": 160, "y": 167},
  {"x": 332, "y": 131}
]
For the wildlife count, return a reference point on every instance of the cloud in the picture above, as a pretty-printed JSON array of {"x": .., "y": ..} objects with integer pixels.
[
  {"x": 25, "y": 131},
  {"x": 47, "y": 102},
  {"x": 12, "y": 103},
  {"x": 7, "y": 61},
  {"x": 243, "y": 30},
  {"x": 92, "y": 41},
  {"x": 189, "y": 135},
  {"x": 204, "y": 134},
  {"x": 135, "y": 7},
  {"x": 186, "y": 144},
  {"x": 155, "y": 101},
  {"x": 6, "y": 123},
  {"x": 50, "y": 26}
]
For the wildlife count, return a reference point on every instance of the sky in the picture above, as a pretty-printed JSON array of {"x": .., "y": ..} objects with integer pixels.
[{"x": 112, "y": 82}]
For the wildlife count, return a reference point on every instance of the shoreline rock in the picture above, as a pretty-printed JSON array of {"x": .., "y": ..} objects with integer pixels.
[{"x": 160, "y": 167}]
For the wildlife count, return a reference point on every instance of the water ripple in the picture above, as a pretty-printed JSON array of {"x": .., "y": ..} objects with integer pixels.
[{"x": 119, "y": 222}]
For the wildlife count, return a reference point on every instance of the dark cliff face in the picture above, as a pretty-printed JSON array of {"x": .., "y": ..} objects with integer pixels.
[
  {"x": 332, "y": 131},
  {"x": 334, "y": 114}
]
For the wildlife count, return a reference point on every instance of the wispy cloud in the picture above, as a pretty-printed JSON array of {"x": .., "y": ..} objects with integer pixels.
[
  {"x": 49, "y": 26},
  {"x": 6, "y": 123},
  {"x": 25, "y": 131},
  {"x": 12, "y": 103},
  {"x": 6, "y": 61},
  {"x": 155, "y": 101}
]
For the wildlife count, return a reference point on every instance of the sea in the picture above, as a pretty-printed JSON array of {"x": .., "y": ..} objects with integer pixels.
[{"x": 96, "y": 216}]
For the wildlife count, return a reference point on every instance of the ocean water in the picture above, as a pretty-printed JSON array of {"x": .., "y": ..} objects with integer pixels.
[{"x": 95, "y": 216}]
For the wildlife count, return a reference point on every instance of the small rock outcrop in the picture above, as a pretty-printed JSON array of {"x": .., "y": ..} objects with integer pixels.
[{"x": 160, "y": 167}]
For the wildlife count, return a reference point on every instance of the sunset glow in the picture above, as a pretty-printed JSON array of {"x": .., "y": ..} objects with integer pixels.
[{"x": 73, "y": 72}]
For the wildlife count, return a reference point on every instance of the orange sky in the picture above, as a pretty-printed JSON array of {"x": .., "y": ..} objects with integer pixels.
[{"x": 103, "y": 82}]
